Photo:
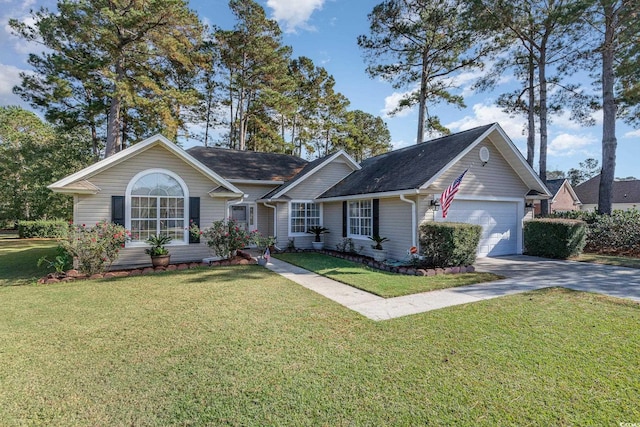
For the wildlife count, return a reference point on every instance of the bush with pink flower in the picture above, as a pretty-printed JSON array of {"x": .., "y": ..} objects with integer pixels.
[
  {"x": 95, "y": 249},
  {"x": 224, "y": 238}
]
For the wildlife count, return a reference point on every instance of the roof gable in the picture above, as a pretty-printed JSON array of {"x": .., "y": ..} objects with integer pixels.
[
  {"x": 310, "y": 169},
  {"x": 555, "y": 185},
  {"x": 418, "y": 166},
  {"x": 67, "y": 183}
]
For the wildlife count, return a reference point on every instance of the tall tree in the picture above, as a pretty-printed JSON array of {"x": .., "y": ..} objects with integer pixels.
[
  {"x": 125, "y": 56},
  {"x": 254, "y": 64},
  {"x": 421, "y": 45},
  {"x": 585, "y": 171},
  {"x": 548, "y": 33},
  {"x": 366, "y": 136},
  {"x": 32, "y": 155},
  {"x": 617, "y": 31}
]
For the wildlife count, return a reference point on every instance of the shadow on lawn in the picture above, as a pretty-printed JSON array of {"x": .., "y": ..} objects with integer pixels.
[
  {"x": 227, "y": 274},
  {"x": 19, "y": 266}
]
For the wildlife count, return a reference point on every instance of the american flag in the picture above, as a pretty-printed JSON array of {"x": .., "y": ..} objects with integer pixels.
[
  {"x": 267, "y": 254},
  {"x": 447, "y": 196}
]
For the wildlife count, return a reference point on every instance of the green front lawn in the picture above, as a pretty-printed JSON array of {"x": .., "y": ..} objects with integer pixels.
[
  {"x": 621, "y": 261},
  {"x": 244, "y": 346},
  {"x": 384, "y": 284},
  {"x": 19, "y": 259}
]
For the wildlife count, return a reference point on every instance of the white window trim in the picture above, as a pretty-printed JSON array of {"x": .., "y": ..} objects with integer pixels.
[
  {"x": 358, "y": 236},
  {"x": 292, "y": 234},
  {"x": 127, "y": 204}
]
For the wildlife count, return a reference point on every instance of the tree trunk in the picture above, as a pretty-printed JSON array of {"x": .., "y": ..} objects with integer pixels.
[
  {"x": 531, "y": 134},
  {"x": 423, "y": 99},
  {"x": 544, "y": 204},
  {"x": 113, "y": 123},
  {"x": 609, "y": 110}
]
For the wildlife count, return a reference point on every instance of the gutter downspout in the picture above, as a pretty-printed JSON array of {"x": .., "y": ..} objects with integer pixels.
[
  {"x": 414, "y": 225},
  {"x": 275, "y": 217}
]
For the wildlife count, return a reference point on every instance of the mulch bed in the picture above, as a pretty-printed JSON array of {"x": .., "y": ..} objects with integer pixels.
[{"x": 242, "y": 258}]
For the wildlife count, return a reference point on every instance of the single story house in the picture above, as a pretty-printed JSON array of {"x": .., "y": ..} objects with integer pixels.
[
  {"x": 157, "y": 187},
  {"x": 626, "y": 194},
  {"x": 563, "y": 198}
]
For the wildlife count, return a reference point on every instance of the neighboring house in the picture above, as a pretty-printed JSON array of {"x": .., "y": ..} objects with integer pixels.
[
  {"x": 563, "y": 198},
  {"x": 157, "y": 187},
  {"x": 626, "y": 194}
]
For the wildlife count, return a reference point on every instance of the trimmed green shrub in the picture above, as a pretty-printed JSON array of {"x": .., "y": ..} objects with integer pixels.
[
  {"x": 617, "y": 234},
  {"x": 56, "y": 228},
  {"x": 554, "y": 238},
  {"x": 449, "y": 244}
]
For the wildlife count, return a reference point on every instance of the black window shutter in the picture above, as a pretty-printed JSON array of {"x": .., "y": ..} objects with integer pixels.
[
  {"x": 194, "y": 217},
  {"x": 344, "y": 219},
  {"x": 376, "y": 217},
  {"x": 117, "y": 210}
]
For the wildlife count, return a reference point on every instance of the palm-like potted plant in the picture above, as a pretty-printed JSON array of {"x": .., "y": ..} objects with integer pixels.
[
  {"x": 318, "y": 231},
  {"x": 160, "y": 256},
  {"x": 379, "y": 254}
]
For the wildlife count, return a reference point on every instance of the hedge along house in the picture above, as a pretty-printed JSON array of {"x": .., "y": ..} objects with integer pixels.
[{"x": 157, "y": 187}]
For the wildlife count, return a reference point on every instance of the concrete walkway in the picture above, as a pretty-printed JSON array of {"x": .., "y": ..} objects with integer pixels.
[{"x": 523, "y": 273}]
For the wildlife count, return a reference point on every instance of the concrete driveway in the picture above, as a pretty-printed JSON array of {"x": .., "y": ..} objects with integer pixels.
[{"x": 525, "y": 272}]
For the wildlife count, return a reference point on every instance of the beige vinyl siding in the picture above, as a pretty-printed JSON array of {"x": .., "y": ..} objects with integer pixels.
[
  {"x": 394, "y": 224},
  {"x": 495, "y": 179},
  {"x": 265, "y": 220},
  {"x": 114, "y": 181},
  {"x": 332, "y": 213},
  {"x": 314, "y": 185},
  {"x": 614, "y": 206},
  {"x": 89, "y": 209},
  {"x": 283, "y": 224}
]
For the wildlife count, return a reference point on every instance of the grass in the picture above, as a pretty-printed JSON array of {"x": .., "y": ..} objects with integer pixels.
[
  {"x": 19, "y": 259},
  {"x": 384, "y": 284},
  {"x": 243, "y": 346},
  {"x": 621, "y": 261}
]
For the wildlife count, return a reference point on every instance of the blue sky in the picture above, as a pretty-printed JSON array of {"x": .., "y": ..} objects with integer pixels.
[{"x": 326, "y": 31}]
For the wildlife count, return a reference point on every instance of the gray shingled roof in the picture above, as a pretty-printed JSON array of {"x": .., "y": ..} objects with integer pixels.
[
  {"x": 305, "y": 170},
  {"x": 248, "y": 165},
  {"x": 405, "y": 168},
  {"x": 623, "y": 191},
  {"x": 554, "y": 185}
]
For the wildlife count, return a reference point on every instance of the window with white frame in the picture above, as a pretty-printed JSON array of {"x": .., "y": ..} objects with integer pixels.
[
  {"x": 302, "y": 216},
  {"x": 157, "y": 206},
  {"x": 360, "y": 218}
]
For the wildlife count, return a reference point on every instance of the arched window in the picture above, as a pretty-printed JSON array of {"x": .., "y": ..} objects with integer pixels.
[{"x": 156, "y": 205}]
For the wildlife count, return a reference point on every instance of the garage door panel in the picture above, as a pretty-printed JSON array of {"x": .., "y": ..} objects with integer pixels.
[{"x": 498, "y": 221}]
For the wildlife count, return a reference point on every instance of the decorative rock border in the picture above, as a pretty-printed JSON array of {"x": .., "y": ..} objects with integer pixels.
[
  {"x": 242, "y": 258},
  {"x": 406, "y": 270}
]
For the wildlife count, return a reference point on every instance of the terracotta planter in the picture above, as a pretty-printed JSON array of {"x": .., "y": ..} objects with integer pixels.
[{"x": 160, "y": 260}]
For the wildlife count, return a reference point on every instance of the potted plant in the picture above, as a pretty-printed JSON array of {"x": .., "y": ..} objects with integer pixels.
[
  {"x": 318, "y": 231},
  {"x": 379, "y": 254},
  {"x": 264, "y": 244},
  {"x": 159, "y": 254}
]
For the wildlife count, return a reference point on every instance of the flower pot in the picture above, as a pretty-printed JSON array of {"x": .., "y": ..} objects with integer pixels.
[
  {"x": 317, "y": 245},
  {"x": 262, "y": 261},
  {"x": 379, "y": 254},
  {"x": 160, "y": 260}
]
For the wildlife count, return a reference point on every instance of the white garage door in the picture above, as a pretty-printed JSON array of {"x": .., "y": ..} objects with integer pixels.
[{"x": 499, "y": 221}]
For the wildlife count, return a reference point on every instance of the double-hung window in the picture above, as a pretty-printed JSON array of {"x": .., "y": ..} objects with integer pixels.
[
  {"x": 360, "y": 218},
  {"x": 302, "y": 216}
]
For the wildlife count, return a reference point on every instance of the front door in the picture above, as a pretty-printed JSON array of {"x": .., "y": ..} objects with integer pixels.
[{"x": 244, "y": 215}]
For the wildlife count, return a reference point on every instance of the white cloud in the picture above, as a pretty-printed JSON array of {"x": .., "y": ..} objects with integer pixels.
[
  {"x": 564, "y": 120},
  {"x": 632, "y": 134},
  {"x": 391, "y": 103},
  {"x": 400, "y": 144},
  {"x": 566, "y": 144},
  {"x": 9, "y": 77},
  {"x": 485, "y": 114},
  {"x": 294, "y": 13}
]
